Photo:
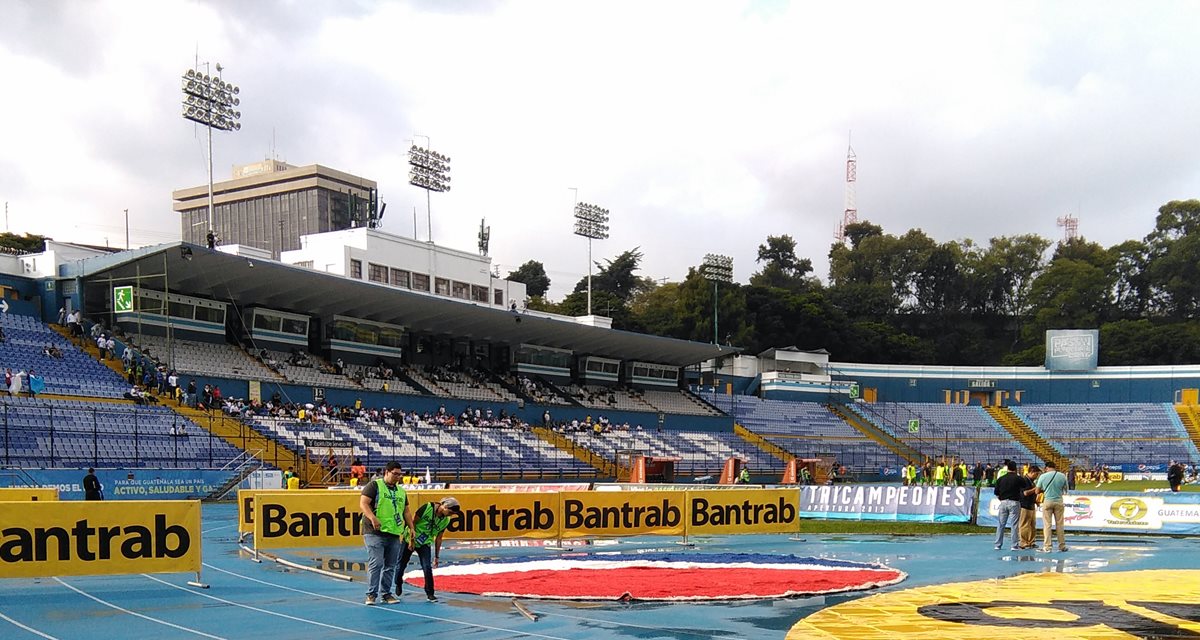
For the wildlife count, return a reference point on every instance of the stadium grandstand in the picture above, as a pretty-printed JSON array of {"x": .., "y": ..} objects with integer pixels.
[{"x": 179, "y": 356}]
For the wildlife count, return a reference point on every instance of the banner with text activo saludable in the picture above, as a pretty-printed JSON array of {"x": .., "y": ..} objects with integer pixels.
[
  {"x": 744, "y": 511},
  {"x": 495, "y": 515},
  {"x": 887, "y": 502},
  {"x": 295, "y": 519},
  {"x": 42, "y": 539},
  {"x": 624, "y": 513},
  {"x": 28, "y": 494}
]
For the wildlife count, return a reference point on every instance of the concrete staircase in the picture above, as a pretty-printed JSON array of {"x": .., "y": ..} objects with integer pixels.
[
  {"x": 1189, "y": 415},
  {"x": 604, "y": 466},
  {"x": 762, "y": 443},
  {"x": 874, "y": 432},
  {"x": 243, "y": 437},
  {"x": 1025, "y": 434}
]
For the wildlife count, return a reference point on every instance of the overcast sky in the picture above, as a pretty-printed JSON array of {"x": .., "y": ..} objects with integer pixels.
[{"x": 702, "y": 126}]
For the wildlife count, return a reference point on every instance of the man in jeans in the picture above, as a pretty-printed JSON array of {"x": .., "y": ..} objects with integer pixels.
[
  {"x": 428, "y": 526},
  {"x": 387, "y": 524},
  {"x": 1008, "y": 492},
  {"x": 1052, "y": 485}
]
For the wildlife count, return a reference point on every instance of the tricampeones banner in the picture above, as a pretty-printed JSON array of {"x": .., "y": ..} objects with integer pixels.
[
  {"x": 1165, "y": 513},
  {"x": 887, "y": 502}
]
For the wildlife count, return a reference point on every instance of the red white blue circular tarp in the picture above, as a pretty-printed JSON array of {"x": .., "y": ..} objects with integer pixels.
[{"x": 661, "y": 576}]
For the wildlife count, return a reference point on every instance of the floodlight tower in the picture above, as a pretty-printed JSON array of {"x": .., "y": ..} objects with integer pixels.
[
  {"x": 716, "y": 268},
  {"x": 210, "y": 101},
  {"x": 591, "y": 222},
  {"x": 430, "y": 171},
  {"x": 850, "y": 215},
  {"x": 1070, "y": 225}
]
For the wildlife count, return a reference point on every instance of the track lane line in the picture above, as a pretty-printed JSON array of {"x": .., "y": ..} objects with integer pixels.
[
  {"x": 385, "y": 609},
  {"x": 27, "y": 628},
  {"x": 268, "y": 612},
  {"x": 136, "y": 614}
]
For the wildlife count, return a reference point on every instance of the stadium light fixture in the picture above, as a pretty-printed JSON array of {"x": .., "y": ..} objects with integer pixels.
[
  {"x": 591, "y": 222},
  {"x": 212, "y": 102},
  {"x": 428, "y": 170},
  {"x": 716, "y": 268}
]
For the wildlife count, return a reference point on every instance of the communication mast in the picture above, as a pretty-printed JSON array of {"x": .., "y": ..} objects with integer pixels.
[
  {"x": 850, "y": 215},
  {"x": 1070, "y": 225}
]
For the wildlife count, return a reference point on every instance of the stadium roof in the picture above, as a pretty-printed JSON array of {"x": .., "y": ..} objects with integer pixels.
[{"x": 224, "y": 277}]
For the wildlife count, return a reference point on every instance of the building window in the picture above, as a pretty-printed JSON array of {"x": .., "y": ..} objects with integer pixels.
[
  {"x": 420, "y": 282},
  {"x": 478, "y": 293},
  {"x": 377, "y": 272},
  {"x": 499, "y": 297},
  {"x": 400, "y": 278},
  {"x": 443, "y": 287},
  {"x": 460, "y": 290},
  {"x": 356, "y": 269}
]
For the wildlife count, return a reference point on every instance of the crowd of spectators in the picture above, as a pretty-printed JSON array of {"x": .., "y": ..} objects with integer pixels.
[{"x": 323, "y": 412}]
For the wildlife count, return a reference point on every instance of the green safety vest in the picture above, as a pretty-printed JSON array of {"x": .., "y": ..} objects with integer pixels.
[
  {"x": 939, "y": 473},
  {"x": 389, "y": 507},
  {"x": 428, "y": 524}
]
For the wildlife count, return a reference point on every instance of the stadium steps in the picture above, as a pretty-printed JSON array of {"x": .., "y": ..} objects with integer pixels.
[
  {"x": 762, "y": 443},
  {"x": 603, "y": 465},
  {"x": 89, "y": 347},
  {"x": 1189, "y": 415},
  {"x": 412, "y": 382},
  {"x": 702, "y": 403},
  {"x": 559, "y": 391},
  {"x": 256, "y": 444},
  {"x": 1025, "y": 434},
  {"x": 872, "y": 431},
  {"x": 513, "y": 389}
]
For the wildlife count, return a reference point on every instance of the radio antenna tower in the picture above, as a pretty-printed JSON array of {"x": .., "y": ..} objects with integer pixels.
[
  {"x": 850, "y": 215},
  {"x": 1070, "y": 225}
]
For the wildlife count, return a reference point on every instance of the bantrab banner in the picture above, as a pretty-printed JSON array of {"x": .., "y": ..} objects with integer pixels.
[{"x": 887, "y": 502}]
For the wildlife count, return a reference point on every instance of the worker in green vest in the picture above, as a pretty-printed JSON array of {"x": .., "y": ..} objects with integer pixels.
[
  {"x": 744, "y": 476},
  {"x": 429, "y": 524},
  {"x": 939, "y": 474},
  {"x": 910, "y": 474},
  {"x": 387, "y": 525}
]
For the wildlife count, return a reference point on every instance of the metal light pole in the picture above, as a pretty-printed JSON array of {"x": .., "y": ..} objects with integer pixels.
[
  {"x": 591, "y": 222},
  {"x": 717, "y": 269},
  {"x": 210, "y": 101},
  {"x": 430, "y": 171}
]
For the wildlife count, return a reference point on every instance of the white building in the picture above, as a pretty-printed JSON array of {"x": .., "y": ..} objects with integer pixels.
[{"x": 378, "y": 256}]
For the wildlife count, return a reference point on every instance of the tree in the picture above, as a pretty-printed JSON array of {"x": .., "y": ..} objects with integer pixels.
[
  {"x": 781, "y": 267},
  {"x": 29, "y": 243},
  {"x": 533, "y": 275},
  {"x": 1174, "y": 258}
]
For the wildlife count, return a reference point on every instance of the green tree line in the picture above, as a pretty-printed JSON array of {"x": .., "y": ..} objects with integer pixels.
[{"x": 907, "y": 299}]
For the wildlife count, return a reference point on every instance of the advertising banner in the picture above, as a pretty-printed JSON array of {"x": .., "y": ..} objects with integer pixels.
[
  {"x": 131, "y": 484},
  {"x": 245, "y": 506},
  {"x": 292, "y": 519},
  {"x": 42, "y": 539},
  {"x": 1072, "y": 349},
  {"x": 497, "y": 515},
  {"x": 1168, "y": 513},
  {"x": 626, "y": 513},
  {"x": 28, "y": 494},
  {"x": 887, "y": 502},
  {"x": 524, "y": 487},
  {"x": 749, "y": 511}
]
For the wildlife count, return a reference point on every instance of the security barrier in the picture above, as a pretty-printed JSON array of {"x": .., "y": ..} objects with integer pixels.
[
  {"x": 28, "y": 494},
  {"x": 43, "y": 539}
]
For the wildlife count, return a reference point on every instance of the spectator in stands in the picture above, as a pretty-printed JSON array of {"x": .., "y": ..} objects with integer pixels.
[
  {"x": 429, "y": 524},
  {"x": 2, "y": 336},
  {"x": 8, "y": 380},
  {"x": 110, "y": 346},
  {"x": 62, "y": 316},
  {"x": 339, "y": 366},
  {"x": 1008, "y": 492},
  {"x": 210, "y": 239},
  {"x": 92, "y": 489},
  {"x": 1052, "y": 485},
  {"x": 37, "y": 384},
  {"x": 1028, "y": 520},
  {"x": 136, "y": 395},
  {"x": 17, "y": 384},
  {"x": 190, "y": 398},
  {"x": 387, "y": 523}
]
